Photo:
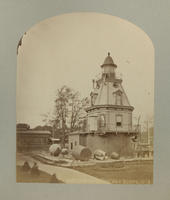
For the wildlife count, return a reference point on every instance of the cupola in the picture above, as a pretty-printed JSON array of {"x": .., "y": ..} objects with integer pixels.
[{"x": 109, "y": 62}]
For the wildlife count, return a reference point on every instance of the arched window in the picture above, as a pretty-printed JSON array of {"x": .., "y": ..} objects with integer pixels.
[
  {"x": 102, "y": 121},
  {"x": 119, "y": 99},
  {"x": 102, "y": 118}
]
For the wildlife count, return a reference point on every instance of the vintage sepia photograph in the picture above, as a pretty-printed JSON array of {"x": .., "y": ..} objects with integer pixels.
[{"x": 85, "y": 101}]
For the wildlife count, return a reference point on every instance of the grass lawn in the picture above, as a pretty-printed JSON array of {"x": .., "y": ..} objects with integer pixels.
[
  {"x": 27, "y": 177},
  {"x": 133, "y": 172}
]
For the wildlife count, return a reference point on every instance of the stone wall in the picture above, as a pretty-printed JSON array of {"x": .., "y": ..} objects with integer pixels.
[{"x": 120, "y": 144}]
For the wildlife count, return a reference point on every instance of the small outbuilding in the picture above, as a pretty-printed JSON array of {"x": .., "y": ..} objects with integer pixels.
[{"x": 29, "y": 139}]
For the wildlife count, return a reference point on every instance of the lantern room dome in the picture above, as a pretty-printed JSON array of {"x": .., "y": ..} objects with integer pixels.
[{"x": 108, "y": 61}]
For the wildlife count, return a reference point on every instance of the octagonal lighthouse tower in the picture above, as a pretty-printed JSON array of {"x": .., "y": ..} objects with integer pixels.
[{"x": 110, "y": 113}]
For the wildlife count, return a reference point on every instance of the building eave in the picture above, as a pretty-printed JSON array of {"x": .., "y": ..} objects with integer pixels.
[
  {"x": 95, "y": 107},
  {"x": 109, "y": 64},
  {"x": 106, "y": 133},
  {"x": 33, "y": 132}
]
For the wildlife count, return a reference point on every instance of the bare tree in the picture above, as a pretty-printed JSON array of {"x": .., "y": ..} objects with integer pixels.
[
  {"x": 68, "y": 110},
  {"x": 77, "y": 107}
]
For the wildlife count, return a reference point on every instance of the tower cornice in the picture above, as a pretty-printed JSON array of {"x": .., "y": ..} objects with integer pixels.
[{"x": 115, "y": 107}]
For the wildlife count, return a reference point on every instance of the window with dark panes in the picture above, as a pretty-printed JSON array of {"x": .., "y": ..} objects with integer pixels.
[
  {"x": 119, "y": 120},
  {"x": 71, "y": 145}
]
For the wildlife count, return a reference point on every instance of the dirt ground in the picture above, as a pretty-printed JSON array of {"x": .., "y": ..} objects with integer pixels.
[
  {"x": 135, "y": 172},
  {"x": 27, "y": 177}
]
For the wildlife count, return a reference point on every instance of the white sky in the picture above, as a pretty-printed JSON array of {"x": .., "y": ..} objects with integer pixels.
[{"x": 69, "y": 49}]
